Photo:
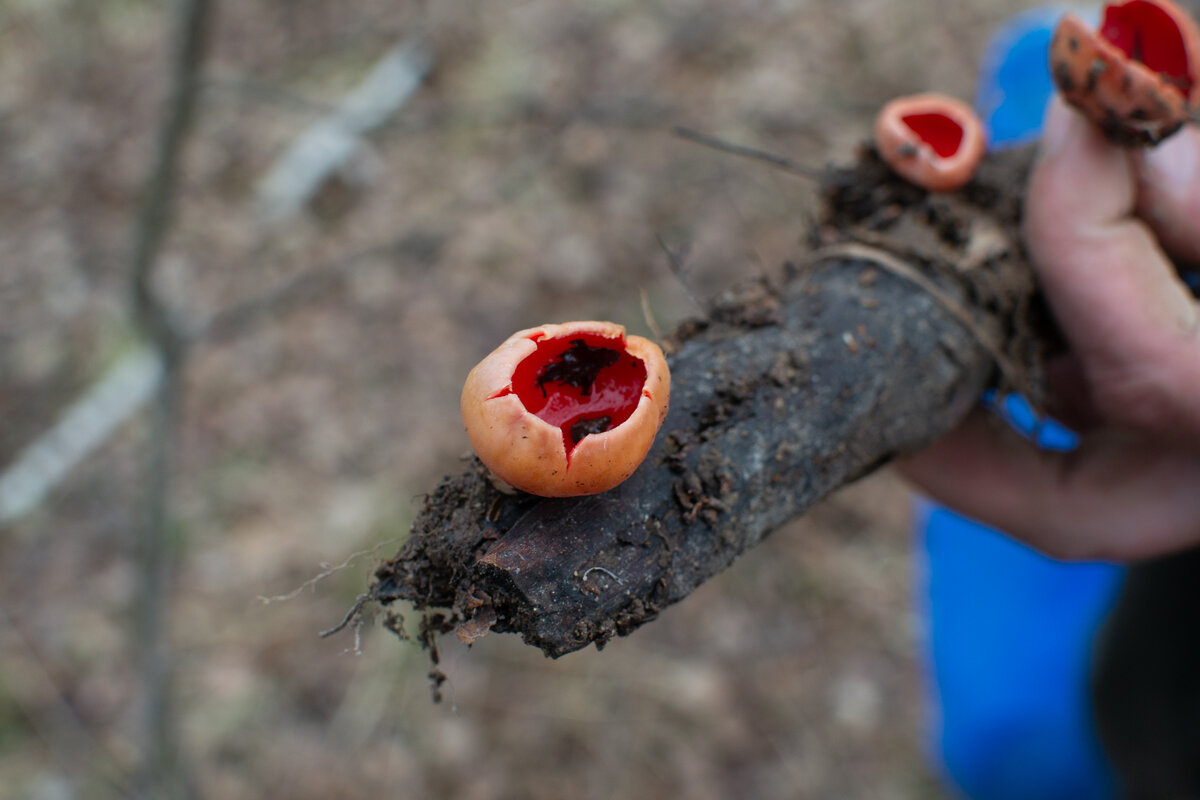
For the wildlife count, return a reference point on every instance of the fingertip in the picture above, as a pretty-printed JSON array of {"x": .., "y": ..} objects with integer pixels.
[
  {"x": 1080, "y": 180},
  {"x": 1059, "y": 130},
  {"x": 1174, "y": 166},
  {"x": 1169, "y": 193},
  {"x": 1114, "y": 497}
]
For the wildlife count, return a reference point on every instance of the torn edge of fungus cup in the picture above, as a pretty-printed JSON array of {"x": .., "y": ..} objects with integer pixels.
[
  {"x": 1137, "y": 77},
  {"x": 567, "y": 409},
  {"x": 931, "y": 140}
]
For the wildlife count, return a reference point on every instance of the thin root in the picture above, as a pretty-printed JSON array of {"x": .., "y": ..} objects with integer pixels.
[
  {"x": 326, "y": 571},
  {"x": 675, "y": 261},
  {"x": 353, "y": 616},
  {"x": 890, "y": 263},
  {"x": 778, "y": 162}
]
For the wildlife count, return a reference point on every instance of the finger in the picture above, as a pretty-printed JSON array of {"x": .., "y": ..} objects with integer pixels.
[
  {"x": 1111, "y": 499},
  {"x": 1069, "y": 397},
  {"x": 1169, "y": 194},
  {"x": 1128, "y": 317}
]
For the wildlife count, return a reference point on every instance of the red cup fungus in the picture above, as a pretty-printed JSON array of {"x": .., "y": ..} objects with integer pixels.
[
  {"x": 931, "y": 140},
  {"x": 569, "y": 409},
  {"x": 1138, "y": 76}
]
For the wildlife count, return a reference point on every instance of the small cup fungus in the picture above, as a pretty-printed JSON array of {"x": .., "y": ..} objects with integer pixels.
[
  {"x": 931, "y": 140},
  {"x": 568, "y": 409},
  {"x": 1138, "y": 76}
]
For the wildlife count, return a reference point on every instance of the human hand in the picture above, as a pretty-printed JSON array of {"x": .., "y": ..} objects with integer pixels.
[{"x": 1102, "y": 225}]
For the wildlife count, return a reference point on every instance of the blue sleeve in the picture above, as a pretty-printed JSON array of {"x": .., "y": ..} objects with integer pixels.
[{"x": 1009, "y": 632}]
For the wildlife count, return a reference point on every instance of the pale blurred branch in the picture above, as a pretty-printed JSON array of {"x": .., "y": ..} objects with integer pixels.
[
  {"x": 307, "y": 286},
  {"x": 122, "y": 391},
  {"x": 134, "y": 379},
  {"x": 85, "y": 425},
  {"x": 329, "y": 144}
]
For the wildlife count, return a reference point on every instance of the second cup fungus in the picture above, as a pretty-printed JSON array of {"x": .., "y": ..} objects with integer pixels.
[
  {"x": 931, "y": 140},
  {"x": 568, "y": 409},
  {"x": 1138, "y": 76}
]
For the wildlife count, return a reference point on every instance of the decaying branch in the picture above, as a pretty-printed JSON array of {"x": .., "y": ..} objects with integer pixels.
[{"x": 877, "y": 343}]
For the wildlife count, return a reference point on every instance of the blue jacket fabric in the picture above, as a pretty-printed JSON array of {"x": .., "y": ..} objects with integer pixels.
[{"x": 1009, "y": 632}]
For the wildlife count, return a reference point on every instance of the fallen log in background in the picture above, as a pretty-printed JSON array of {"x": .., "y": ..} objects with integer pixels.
[{"x": 908, "y": 308}]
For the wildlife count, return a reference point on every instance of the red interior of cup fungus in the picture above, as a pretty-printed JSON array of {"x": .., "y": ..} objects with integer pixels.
[
  {"x": 1148, "y": 34},
  {"x": 939, "y": 131},
  {"x": 581, "y": 384},
  {"x": 930, "y": 140}
]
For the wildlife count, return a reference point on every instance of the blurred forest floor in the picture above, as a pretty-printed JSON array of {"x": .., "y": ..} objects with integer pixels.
[{"x": 526, "y": 180}]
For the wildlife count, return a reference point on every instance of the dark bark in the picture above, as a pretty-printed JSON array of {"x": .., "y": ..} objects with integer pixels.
[{"x": 783, "y": 395}]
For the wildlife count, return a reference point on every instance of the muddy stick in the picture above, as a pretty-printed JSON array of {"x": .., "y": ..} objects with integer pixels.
[{"x": 907, "y": 307}]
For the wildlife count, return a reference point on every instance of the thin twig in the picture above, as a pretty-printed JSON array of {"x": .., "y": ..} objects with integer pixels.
[
  {"x": 305, "y": 286},
  {"x": 158, "y": 202},
  {"x": 121, "y": 392},
  {"x": 260, "y": 91},
  {"x": 776, "y": 161},
  {"x": 675, "y": 261},
  {"x": 162, "y": 773},
  {"x": 351, "y": 616},
  {"x": 897, "y": 267},
  {"x": 73, "y": 744}
]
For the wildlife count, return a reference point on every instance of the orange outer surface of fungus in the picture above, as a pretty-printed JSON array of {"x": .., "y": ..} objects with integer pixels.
[
  {"x": 568, "y": 409},
  {"x": 1138, "y": 76},
  {"x": 931, "y": 140}
]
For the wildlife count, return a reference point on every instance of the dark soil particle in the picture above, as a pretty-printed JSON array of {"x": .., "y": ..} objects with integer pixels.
[{"x": 578, "y": 367}]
